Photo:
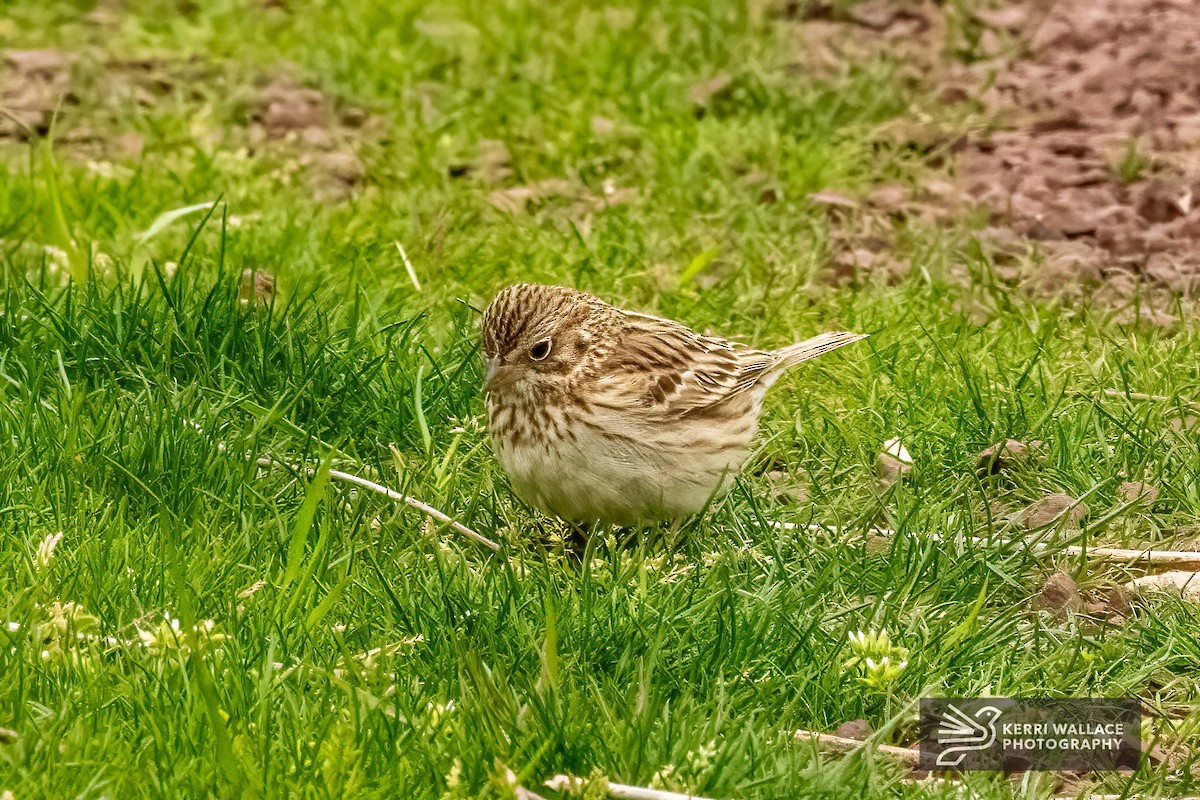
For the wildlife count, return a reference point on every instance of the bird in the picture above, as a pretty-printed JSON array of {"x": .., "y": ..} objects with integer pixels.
[{"x": 601, "y": 415}]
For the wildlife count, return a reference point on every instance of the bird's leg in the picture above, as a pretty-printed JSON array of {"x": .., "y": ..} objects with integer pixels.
[{"x": 575, "y": 537}]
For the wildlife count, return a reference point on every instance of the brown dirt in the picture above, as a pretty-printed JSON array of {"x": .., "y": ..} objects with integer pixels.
[
  {"x": 1102, "y": 160},
  {"x": 324, "y": 131},
  {"x": 33, "y": 83},
  {"x": 830, "y": 37},
  {"x": 1093, "y": 165},
  {"x": 571, "y": 200},
  {"x": 314, "y": 133}
]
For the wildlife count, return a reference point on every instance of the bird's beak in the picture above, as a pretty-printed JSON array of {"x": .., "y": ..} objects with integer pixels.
[{"x": 500, "y": 375}]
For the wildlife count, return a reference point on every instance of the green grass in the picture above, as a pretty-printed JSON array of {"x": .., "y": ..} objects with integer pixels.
[{"x": 133, "y": 406}]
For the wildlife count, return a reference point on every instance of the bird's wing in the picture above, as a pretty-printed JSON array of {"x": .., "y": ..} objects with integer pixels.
[{"x": 660, "y": 365}]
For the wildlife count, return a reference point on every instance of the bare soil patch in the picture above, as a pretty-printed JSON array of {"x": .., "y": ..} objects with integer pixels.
[
  {"x": 324, "y": 132},
  {"x": 33, "y": 83},
  {"x": 1092, "y": 159},
  {"x": 1101, "y": 163},
  {"x": 90, "y": 103}
]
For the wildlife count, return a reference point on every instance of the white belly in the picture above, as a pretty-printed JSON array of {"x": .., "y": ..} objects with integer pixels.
[{"x": 621, "y": 481}]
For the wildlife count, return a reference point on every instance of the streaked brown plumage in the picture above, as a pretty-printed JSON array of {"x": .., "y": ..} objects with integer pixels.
[{"x": 600, "y": 414}]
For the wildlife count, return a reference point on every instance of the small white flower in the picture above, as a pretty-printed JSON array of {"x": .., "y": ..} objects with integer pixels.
[{"x": 45, "y": 551}]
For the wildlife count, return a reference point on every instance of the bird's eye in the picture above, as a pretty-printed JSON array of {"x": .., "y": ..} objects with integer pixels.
[{"x": 540, "y": 350}]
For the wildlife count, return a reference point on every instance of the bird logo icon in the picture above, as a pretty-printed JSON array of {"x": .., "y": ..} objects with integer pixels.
[{"x": 965, "y": 733}]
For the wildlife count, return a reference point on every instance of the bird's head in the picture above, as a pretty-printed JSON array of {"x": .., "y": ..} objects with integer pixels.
[{"x": 538, "y": 338}]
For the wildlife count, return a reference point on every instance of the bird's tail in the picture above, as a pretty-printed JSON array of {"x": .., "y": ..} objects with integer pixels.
[{"x": 790, "y": 356}]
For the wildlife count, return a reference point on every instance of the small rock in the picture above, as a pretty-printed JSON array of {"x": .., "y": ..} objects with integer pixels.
[
  {"x": 1138, "y": 490},
  {"x": 1057, "y": 507},
  {"x": 1006, "y": 456},
  {"x": 1060, "y": 595},
  {"x": 858, "y": 729},
  {"x": 891, "y": 469}
]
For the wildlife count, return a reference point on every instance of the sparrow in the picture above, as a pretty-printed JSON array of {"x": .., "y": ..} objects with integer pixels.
[{"x": 599, "y": 414}]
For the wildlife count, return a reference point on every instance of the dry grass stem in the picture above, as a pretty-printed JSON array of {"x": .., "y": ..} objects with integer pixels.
[
  {"x": 564, "y": 783},
  {"x": 391, "y": 494},
  {"x": 1145, "y": 557},
  {"x": 840, "y": 744}
]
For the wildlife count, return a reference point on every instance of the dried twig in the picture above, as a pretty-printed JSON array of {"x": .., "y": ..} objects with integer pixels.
[
  {"x": 1157, "y": 398},
  {"x": 391, "y": 494},
  {"x": 841, "y": 744},
  {"x": 1137, "y": 396},
  {"x": 1157, "y": 558},
  {"x": 1160, "y": 398},
  {"x": 1149, "y": 557},
  {"x": 564, "y": 783}
]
